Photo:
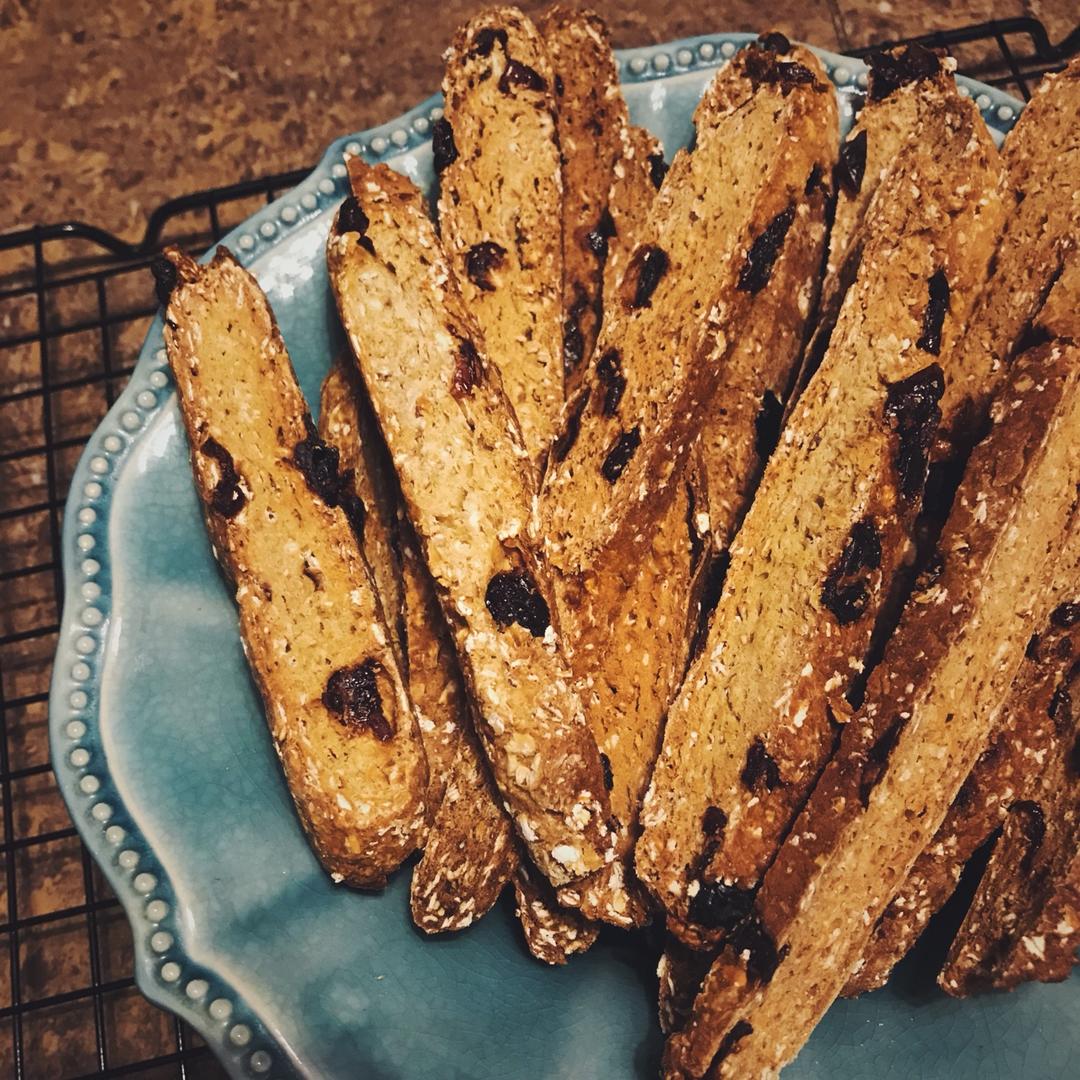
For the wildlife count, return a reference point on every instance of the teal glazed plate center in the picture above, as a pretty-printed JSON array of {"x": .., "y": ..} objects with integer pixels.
[{"x": 162, "y": 753}]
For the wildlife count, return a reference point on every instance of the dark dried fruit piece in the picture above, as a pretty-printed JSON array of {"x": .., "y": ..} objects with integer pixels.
[
  {"x": 763, "y": 68},
  {"x": 227, "y": 498},
  {"x": 318, "y": 463},
  {"x": 763, "y": 252},
  {"x": 605, "y": 764},
  {"x": 1033, "y": 825},
  {"x": 1060, "y": 709},
  {"x": 352, "y": 693},
  {"x": 767, "y": 425},
  {"x": 760, "y": 769},
  {"x": 647, "y": 266},
  {"x": 934, "y": 316},
  {"x": 598, "y": 238},
  {"x": 876, "y": 759},
  {"x": 720, "y": 906},
  {"x": 518, "y": 74},
  {"x": 890, "y": 71},
  {"x": 741, "y": 1029},
  {"x": 512, "y": 597},
  {"x": 443, "y": 147},
  {"x": 658, "y": 168},
  {"x": 1066, "y": 615},
  {"x": 911, "y": 407},
  {"x": 751, "y": 937},
  {"x": 480, "y": 260},
  {"x": 618, "y": 457},
  {"x": 351, "y": 218},
  {"x": 573, "y": 340},
  {"x": 564, "y": 441},
  {"x": 484, "y": 40},
  {"x": 609, "y": 372},
  {"x": 846, "y": 600},
  {"x": 166, "y": 278},
  {"x": 775, "y": 42},
  {"x": 468, "y": 370},
  {"x": 852, "y": 164},
  {"x": 713, "y": 821},
  {"x": 846, "y": 592},
  {"x": 862, "y": 550}
]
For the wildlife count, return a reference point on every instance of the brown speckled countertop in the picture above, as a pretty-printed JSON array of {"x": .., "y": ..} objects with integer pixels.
[{"x": 111, "y": 109}]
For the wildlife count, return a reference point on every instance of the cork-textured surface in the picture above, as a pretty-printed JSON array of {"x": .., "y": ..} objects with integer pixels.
[{"x": 108, "y": 112}]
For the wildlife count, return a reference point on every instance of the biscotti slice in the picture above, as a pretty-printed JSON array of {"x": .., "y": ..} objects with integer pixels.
[
  {"x": 741, "y": 425},
  {"x": 629, "y": 622},
  {"x": 552, "y": 933},
  {"x": 1008, "y": 771},
  {"x": 904, "y": 85},
  {"x": 1042, "y": 158},
  {"x": 591, "y": 116},
  {"x": 470, "y": 853},
  {"x": 500, "y": 207},
  {"x": 467, "y": 483},
  {"x": 1024, "y": 921},
  {"x": 636, "y": 178},
  {"x": 346, "y": 423},
  {"x": 828, "y": 529},
  {"x": 929, "y": 709},
  {"x": 285, "y": 524},
  {"x": 665, "y": 335}
]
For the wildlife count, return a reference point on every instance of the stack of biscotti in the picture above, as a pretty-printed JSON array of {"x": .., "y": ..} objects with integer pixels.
[
  {"x": 467, "y": 482},
  {"x": 929, "y": 709},
  {"x": 284, "y": 521},
  {"x": 500, "y": 204},
  {"x": 1038, "y": 252},
  {"x": 829, "y": 528},
  {"x": 469, "y": 851},
  {"x": 667, "y": 332}
]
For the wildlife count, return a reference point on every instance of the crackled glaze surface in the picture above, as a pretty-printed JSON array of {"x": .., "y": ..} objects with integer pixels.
[{"x": 161, "y": 751}]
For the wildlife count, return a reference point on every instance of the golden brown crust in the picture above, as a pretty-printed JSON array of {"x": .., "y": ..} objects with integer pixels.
[
  {"x": 591, "y": 115},
  {"x": 822, "y": 542},
  {"x": 903, "y": 757},
  {"x": 675, "y": 316},
  {"x": 467, "y": 483},
  {"x": 552, "y": 934},
  {"x": 500, "y": 202},
  {"x": 310, "y": 621}
]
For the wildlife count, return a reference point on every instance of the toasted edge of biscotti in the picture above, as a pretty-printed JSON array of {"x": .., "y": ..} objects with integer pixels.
[{"x": 283, "y": 524}]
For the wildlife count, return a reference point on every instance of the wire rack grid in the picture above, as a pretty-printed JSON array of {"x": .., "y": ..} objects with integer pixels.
[{"x": 75, "y": 303}]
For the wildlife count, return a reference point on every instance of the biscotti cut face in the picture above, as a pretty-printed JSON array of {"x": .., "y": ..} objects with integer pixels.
[
  {"x": 816, "y": 555},
  {"x": 904, "y": 86},
  {"x": 591, "y": 116},
  {"x": 1024, "y": 921},
  {"x": 667, "y": 331},
  {"x": 285, "y": 521},
  {"x": 1010, "y": 770},
  {"x": 552, "y": 933},
  {"x": 346, "y": 423},
  {"x": 1042, "y": 159},
  {"x": 467, "y": 482},
  {"x": 636, "y": 177},
  {"x": 929, "y": 709},
  {"x": 500, "y": 207},
  {"x": 630, "y": 624}
]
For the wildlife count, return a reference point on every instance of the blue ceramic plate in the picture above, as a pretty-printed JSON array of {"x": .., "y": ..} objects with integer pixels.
[{"x": 162, "y": 753}]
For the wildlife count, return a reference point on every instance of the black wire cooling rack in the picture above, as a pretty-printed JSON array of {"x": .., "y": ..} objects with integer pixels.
[{"x": 75, "y": 303}]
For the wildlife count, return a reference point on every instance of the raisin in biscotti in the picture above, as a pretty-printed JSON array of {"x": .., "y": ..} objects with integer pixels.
[
  {"x": 929, "y": 708},
  {"x": 500, "y": 205},
  {"x": 904, "y": 85},
  {"x": 1024, "y": 920},
  {"x": 346, "y": 424},
  {"x": 666, "y": 333},
  {"x": 828, "y": 529},
  {"x": 552, "y": 933},
  {"x": 636, "y": 177},
  {"x": 591, "y": 115},
  {"x": 284, "y": 521},
  {"x": 628, "y": 621},
  {"x": 1042, "y": 158},
  {"x": 467, "y": 482}
]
